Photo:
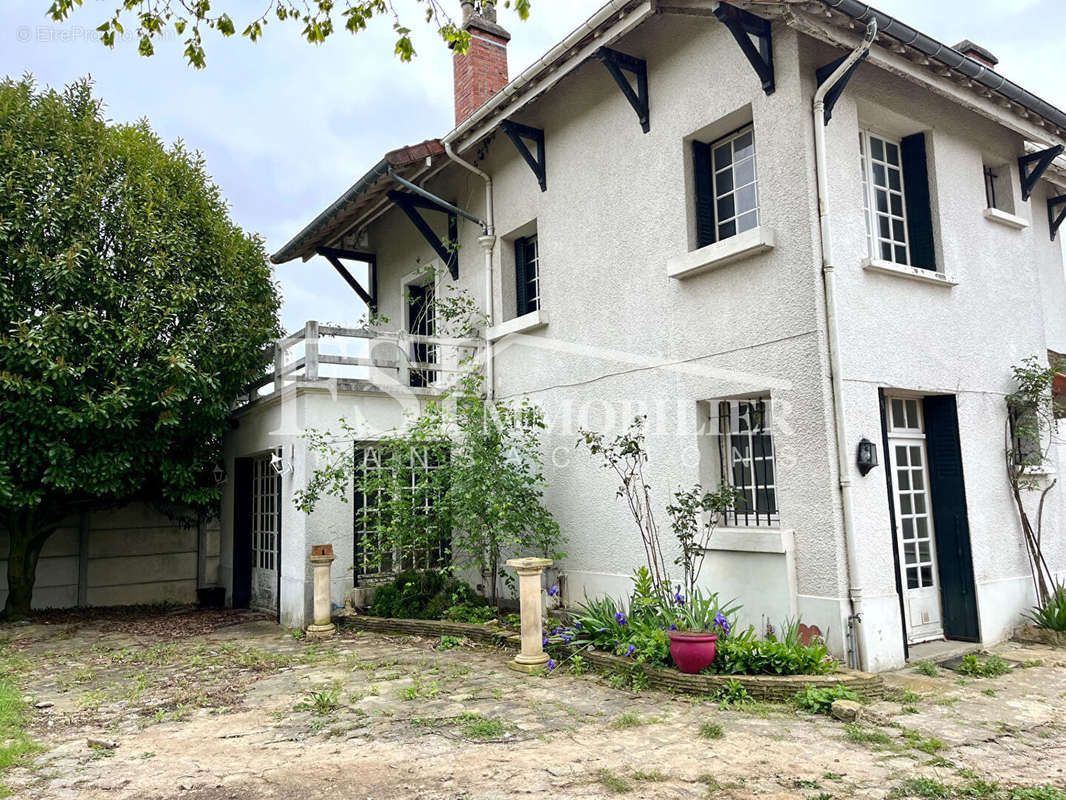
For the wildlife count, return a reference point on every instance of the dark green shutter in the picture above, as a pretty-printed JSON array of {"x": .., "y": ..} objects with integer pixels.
[
  {"x": 521, "y": 276},
  {"x": 242, "y": 532},
  {"x": 703, "y": 176},
  {"x": 950, "y": 524},
  {"x": 919, "y": 212}
]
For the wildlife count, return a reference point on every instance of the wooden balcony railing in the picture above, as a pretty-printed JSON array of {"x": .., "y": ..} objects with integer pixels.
[{"x": 395, "y": 358}]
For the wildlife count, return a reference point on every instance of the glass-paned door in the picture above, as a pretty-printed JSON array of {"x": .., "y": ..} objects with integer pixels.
[
  {"x": 266, "y": 534},
  {"x": 909, "y": 463}
]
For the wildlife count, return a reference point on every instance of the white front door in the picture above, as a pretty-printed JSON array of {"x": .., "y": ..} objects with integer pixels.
[
  {"x": 914, "y": 520},
  {"x": 266, "y": 538}
]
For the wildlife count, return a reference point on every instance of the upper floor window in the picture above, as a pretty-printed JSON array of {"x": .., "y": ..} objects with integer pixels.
[
  {"x": 727, "y": 197},
  {"x": 421, "y": 321},
  {"x": 895, "y": 193},
  {"x": 527, "y": 274},
  {"x": 746, "y": 460}
]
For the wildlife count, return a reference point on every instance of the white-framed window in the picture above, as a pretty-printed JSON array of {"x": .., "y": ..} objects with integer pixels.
[
  {"x": 746, "y": 459},
  {"x": 735, "y": 182},
  {"x": 370, "y": 561},
  {"x": 883, "y": 198},
  {"x": 266, "y": 511}
]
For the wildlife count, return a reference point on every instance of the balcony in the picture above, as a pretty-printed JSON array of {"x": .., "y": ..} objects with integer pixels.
[{"x": 363, "y": 360}]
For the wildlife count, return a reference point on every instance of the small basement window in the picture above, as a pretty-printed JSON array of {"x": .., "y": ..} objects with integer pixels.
[{"x": 726, "y": 182}]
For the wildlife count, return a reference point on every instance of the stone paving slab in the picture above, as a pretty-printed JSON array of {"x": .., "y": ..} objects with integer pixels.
[{"x": 230, "y": 715}]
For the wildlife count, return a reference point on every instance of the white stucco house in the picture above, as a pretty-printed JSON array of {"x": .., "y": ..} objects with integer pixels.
[{"x": 664, "y": 215}]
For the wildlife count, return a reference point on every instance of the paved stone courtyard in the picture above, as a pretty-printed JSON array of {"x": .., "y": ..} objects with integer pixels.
[{"x": 248, "y": 711}]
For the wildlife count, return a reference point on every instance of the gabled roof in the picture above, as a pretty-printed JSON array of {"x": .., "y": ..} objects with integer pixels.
[
  {"x": 367, "y": 192},
  {"x": 366, "y": 198}
]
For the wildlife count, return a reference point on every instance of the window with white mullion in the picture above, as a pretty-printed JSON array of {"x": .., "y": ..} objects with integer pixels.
[
  {"x": 736, "y": 193},
  {"x": 883, "y": 198}
]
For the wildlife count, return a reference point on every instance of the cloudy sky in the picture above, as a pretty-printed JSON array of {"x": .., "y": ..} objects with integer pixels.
[{"x": 286, "y": 127}]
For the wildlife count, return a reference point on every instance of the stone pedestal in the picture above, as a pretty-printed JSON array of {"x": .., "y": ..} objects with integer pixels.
[
  {"x": 321, "y": 559},
  {"x": 532, "y": 657}
]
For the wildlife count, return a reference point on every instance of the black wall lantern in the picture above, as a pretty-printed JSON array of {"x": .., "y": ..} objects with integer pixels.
[{"x": 867, "y": 458}]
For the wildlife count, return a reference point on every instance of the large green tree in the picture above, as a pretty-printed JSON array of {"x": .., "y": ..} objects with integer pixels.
[
  {"x": 132, "y": 311},
  {"x": 317, "y": 19}
]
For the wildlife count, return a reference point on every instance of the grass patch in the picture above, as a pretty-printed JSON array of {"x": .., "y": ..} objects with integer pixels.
[
  {"x": 614, "y": 783},
  {"x": 628, "y": 720},
  {"x": 926, "y": 667},
  {"x": 322, "y": 702},
  {"x": 16, "y": 747},
  {"x": 925, "y": 744},
  {"x": 652, "y": 776},
  {"x": 922, "y": 787},
  {"x": 482, "y": 729},
  {"x": 820, "y": 701},
  {"x": 711, "y": 730},
  {"x": 857, "y": 733}
]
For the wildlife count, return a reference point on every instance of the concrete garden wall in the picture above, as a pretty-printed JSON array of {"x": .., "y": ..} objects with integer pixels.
[{"x": 126, "y": 556}]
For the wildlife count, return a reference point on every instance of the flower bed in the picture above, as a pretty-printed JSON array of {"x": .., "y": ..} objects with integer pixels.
[{"x": 773, "y": 688}]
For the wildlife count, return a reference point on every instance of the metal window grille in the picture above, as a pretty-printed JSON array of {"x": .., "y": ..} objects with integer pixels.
[
  {"x": 883, "y": 200},
  {"x": 371, "y": 562},
  {"x": 736, "y": 195},
  {"x": 746, "y": 460},
  {"x": 266, "y": 507}
]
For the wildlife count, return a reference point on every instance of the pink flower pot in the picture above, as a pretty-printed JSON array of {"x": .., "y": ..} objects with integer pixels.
[{"x": 693, "y": 651}]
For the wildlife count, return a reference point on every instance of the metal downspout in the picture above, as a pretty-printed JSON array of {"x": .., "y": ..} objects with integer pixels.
[
  {"x": 858, "y": 641},
  {"x": 488, "y": 243}
]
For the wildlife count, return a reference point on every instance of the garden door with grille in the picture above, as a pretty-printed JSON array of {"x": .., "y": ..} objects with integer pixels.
[
  {"x": 266, "y": 535},
  {"x": 908, "y": 462}
]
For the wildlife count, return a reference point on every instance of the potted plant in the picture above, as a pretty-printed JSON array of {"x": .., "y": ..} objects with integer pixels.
[{"x": 698, "y": 621}]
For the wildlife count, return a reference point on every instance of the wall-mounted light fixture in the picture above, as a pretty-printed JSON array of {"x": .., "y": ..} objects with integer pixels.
[
  {"x": 867, "y": 457},
  {"x": 219, "y": 474},
  {"x": 280, "y": 465}
]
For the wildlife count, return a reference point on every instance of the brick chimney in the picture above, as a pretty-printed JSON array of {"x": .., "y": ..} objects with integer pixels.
[
  {"x": 976, "y": 52},
  {"x": 482, "y": 71}
]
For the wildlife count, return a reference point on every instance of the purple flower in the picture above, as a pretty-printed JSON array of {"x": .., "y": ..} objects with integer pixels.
[
  {"x": 577, "y": 625},
  {"x": 630, "y": 649},
  {"x": 673, "y": 626},
  {"x": 551, "y": 664},
  {"x": 620, "y": 618},
  {"x": 553, "y": 591},
  {"x": 722, "y": 623},
  {"x": 567, "y": 638},
  {"x": 545, "y": 642},
  {"x": 678, "y": 597}
]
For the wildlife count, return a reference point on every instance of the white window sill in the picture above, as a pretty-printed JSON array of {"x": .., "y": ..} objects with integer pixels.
[
  {"x": 911, "y": 273},
  {"x": 752, "y": 540},
  {"x": 743, "y": 245},
  {"x": 1003, "y": 218},
  {"x": 1039, "y": 471},
  {"x": 523, "y": 324}
]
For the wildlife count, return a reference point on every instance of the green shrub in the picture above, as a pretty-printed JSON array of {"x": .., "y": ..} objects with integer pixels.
[
  {"x": 732, "y": 693},
  {"x": 424, "y": 595},
  {"x": 820, "y": 701},
  {"x": 991, "y": 667},
  {"x": 1051, "y": 615},
  {"x": 743, "y": 654},
  {"x": 466, "y": 612}
]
